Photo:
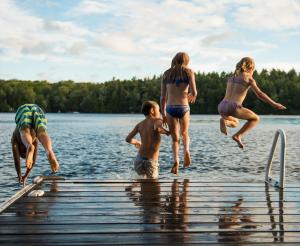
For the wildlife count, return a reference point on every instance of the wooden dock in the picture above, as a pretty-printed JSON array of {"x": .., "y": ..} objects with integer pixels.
[{"x": 141, "y": 212}]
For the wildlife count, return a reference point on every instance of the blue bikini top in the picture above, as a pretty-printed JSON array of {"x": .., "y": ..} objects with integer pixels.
[{"x": 178, "y": 81}]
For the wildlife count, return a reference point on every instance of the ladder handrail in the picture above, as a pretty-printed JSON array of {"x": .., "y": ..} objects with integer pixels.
[{"x": 268, "y": 179}]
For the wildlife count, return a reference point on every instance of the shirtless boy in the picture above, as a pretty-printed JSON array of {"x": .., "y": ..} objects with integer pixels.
[{"x": 146, "y": 162}]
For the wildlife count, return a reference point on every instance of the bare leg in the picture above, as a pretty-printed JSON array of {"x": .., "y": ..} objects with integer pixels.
[
  {"x": 184, "y": 130},
  {"x": 227, "y": 121},
  {"x": 27, "y": 141},
  {"x": 223, "y": 127},
  {"x": 174, "y": 130},
  {"x": 252, "y": 121},
  {"x": 46, "y": 142}
]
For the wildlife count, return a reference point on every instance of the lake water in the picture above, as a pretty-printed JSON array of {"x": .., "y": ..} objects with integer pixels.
[{"x": 92, "y": 146}]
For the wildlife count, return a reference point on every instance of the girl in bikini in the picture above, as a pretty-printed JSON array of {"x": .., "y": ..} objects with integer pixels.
[
  {"x": 231, "y": 109},
  {"x": 178, "y": 89}
]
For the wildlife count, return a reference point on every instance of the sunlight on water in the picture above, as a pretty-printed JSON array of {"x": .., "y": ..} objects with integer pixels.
[{"x": 93, "y": 146}]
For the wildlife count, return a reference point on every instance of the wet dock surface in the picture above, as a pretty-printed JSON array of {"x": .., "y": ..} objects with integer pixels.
[{"x": 94, "y": 212}]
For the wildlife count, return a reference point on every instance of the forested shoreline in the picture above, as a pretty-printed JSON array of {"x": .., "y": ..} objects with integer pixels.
[{"x": 126, "y": 96}]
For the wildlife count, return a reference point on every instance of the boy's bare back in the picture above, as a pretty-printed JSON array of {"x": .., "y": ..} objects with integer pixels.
[{"x": 150, "y": 138}]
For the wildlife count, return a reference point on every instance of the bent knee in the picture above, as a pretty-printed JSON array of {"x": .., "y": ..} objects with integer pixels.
[
  {"x": 175, "y": 139},
  {"x": 184, "y": 133},
  {"x": 30, "y": 147},
  {"x": 255, "y": 117}
]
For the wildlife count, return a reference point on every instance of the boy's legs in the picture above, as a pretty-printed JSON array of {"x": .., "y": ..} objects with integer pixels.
[
  {"x": 184, "y": 131},
  {"x": 45, "y": 140},
  {"x": 27, "y": 141},
  {"x": 174, "y": 130},
  {"x": 252, "y": 120}
]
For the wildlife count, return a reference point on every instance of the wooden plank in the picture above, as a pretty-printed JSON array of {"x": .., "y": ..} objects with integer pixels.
[
  {"x": 54, "y": 219},
  {"x": 163, "y": 189},
  {"x": 173, "y": 238},
  {"x": 138, "y": 228},
  {"x": 271, "y": 195},
  {"x": 146, "y": 212},
  {"x": 129, "y": 205},
  {"x": 206, "y": 185},
  {"x": 19, "y": 194},
  {"x": 145, "y": 199},
  {"x": 162, "y": 181}
]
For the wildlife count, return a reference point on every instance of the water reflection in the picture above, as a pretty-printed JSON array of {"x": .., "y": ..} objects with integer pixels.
[
  {"x": 235, "y": 219},
  {"x": 176, "y": 205},
  {"x": 166, "y": 211},
  {"x": 148, "y": 198},
  {"x": 35, "y": 207},
  {"x": 277, "y": 228}
]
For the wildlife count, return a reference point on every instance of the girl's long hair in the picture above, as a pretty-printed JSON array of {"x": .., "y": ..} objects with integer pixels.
[
  {"x": 179, "y": 69},
  {"x": 244, "y": 65}
]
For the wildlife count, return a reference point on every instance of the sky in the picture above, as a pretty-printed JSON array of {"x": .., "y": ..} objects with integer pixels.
[{"x": 96, "y": 40}]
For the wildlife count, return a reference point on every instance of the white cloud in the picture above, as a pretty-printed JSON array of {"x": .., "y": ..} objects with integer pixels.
[
  {"x": 260, "y": 45},
  {"x": 269, "y": 15},
  {"x": 90, "y": 7},
  {"x": 23, "y": 34},
  {"x": 215, "y": 38},
  {"x": 139, "y": 38}
]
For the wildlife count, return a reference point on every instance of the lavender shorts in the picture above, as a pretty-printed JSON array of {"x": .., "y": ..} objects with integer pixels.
[{"x": 227, "y": 107}]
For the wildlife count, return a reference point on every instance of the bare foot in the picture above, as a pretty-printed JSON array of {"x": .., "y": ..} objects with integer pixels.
[
  {"x": 187, "y": 159},
  {"x": 29, "y": 156},
  {"x": 174, "y": 169},
  {"x": 238, "y": 140},
  {"x": 223, "y": 127},
  {"x": 53, "y": 162}
]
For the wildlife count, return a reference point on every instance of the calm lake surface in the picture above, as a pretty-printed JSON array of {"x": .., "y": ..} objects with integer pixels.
[{"x": 92, "y": 146}]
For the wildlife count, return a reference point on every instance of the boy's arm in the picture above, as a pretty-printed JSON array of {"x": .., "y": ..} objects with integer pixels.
[
  {"x": 263, "y": 96},
  {"x": 35, "y": 154},
  {"x": 16, "y": 155},
  {"x": 193, "y": 90},
  {"x": 158, "y": 126},
  {"x": 163, "y": 99},
  {"x": 130, "y": 138}
]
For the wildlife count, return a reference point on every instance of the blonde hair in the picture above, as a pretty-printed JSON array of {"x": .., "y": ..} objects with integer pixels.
[
  {"x": 244, "y": 65},
  {"x": 178, "y": 68}
]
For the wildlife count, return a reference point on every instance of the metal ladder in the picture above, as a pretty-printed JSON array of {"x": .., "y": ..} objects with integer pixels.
[{"x": 268, "y": 178}]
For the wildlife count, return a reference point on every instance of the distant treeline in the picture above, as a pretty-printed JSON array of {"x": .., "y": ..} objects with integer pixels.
[{"x": 127, "y": 96}]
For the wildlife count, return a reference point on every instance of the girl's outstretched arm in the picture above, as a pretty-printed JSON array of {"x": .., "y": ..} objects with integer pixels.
[
  {"x": 263, "y": 96},
  {"x": 130, "y": 138}
]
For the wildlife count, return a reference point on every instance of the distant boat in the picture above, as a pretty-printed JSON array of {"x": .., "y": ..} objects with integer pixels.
[{"x": 75, "y": 112}]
